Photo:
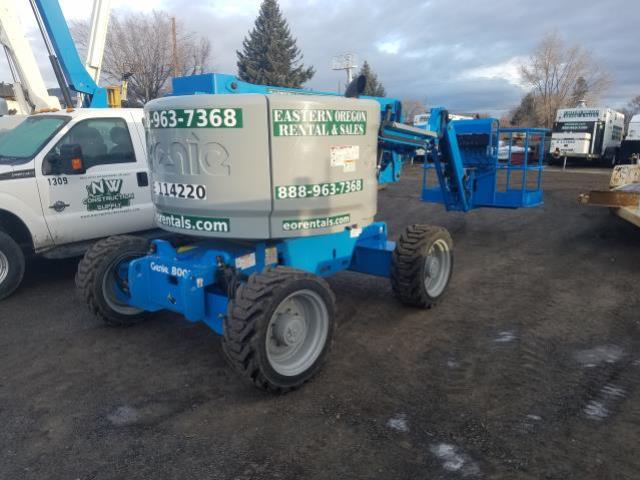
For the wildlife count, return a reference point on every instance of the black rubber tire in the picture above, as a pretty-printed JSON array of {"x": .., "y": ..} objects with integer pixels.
[
  {"x": 408, "y": 262},
  {"x": 247, "y": 321},
  {"x": 610, "y": 157},
  {"x": 96, "y": 263},
  {"x": 619, "y": 157},
  {"x": 16, "y": 263},
  {"x": 551, "y": 160}
]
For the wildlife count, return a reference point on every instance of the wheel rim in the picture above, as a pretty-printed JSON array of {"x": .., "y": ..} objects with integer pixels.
[
  {"x": 437, "y": 267},
  {"x": 4, "y": 267},
  {"x": 297, "y": 333},
  {"x": 115, "y": 286}
]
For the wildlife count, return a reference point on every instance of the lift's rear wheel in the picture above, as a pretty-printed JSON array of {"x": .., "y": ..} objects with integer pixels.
[
  {"x": 102, "y": 279},
  {"x": 421, "y": 265},
  {"x": 279, "y": 328}
]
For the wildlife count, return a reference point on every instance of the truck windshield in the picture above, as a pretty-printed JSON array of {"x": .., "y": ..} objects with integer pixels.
[{"x": 21, "y": 144}]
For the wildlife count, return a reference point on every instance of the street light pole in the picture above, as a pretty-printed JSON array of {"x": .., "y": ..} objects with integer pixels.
[{"x": 346, "y": 61}]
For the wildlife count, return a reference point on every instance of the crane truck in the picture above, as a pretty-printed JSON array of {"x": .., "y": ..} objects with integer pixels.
[{"x": 50, "y": 204}]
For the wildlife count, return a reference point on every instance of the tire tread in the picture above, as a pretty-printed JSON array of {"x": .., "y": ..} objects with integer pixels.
[
  {"x": 241, "y": 337},
  {"x": 87, "y": 276},
  {"x": 406, "y": 265}
]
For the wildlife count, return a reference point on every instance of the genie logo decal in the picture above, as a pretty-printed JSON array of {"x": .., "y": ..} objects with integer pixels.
[
  {"x": 189, "y": 155},
  {"x": 106, "y": 194}
]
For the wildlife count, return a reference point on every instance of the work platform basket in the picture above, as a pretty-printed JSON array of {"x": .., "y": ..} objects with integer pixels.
[{"x": 482, "y": 165}]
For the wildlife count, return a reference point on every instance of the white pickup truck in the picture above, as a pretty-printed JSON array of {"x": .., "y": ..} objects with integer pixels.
[{"x": 68, "y": 178}]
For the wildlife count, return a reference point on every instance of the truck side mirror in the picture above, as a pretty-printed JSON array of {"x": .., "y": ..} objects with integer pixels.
[{"x": 71, "y": 160}]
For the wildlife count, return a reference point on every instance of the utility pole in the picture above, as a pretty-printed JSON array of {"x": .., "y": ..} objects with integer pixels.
[
  {"x": 348, "y": 62},
  {"x": 174, "y": 44}
]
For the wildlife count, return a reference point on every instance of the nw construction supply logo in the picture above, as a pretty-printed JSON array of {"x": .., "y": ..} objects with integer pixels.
[{"x": 106, "y": 194}]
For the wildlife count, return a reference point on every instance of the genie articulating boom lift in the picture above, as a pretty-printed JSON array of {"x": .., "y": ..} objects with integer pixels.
[{"x": 268, "y": 192}]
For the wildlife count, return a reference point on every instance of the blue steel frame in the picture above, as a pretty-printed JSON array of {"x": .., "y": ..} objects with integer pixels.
[
  {"x": 73, "y": 69},
  {"x": 188, "y": 280}
]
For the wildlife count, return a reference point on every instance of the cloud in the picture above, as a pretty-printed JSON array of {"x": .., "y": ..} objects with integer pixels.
[
  {"x": 391, "y": 46},
  {"x": 509, "y": 71},
  {"x": 464, "y": 58}
]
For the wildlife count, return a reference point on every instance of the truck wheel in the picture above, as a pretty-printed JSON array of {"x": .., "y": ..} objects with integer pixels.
[
  {"x": 610, "y": 157},
  {"x": 279, "y": 328},
  {"x": 421, "y": 265},
  {"x": 11, "y": 265},
  {"x": 102, "y": 279},
  {"x": 551, "y": 160}
]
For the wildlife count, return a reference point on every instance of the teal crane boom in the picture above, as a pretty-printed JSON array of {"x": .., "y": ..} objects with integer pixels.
[{"x": 65, "y": 60}]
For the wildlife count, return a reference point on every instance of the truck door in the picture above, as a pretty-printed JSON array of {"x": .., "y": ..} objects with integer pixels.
[{"x": 111, "y": 197}]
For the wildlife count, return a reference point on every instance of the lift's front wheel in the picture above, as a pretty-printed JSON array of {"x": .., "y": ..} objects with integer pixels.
[
  {"x": 421, "y": 265},
  {"x": 279, "y": 328},
  {"x": 102, "y": 279}
]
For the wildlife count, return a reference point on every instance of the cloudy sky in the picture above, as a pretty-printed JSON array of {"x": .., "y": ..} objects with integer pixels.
[{"x": 463, "y": 55}]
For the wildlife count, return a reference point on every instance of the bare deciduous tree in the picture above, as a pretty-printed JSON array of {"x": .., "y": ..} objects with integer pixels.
[
  {"x": 141, "y": 45},
  {"x": 629, "y": 110},
  {"x": 411, "y": 108},
  {"x": 553, "y": 71}
]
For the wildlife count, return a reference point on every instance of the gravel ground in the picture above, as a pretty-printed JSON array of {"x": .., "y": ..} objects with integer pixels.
[{"x": 528, "y": 369}]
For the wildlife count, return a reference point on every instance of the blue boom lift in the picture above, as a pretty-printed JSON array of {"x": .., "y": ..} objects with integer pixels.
[{"x": 267, "y": 298}]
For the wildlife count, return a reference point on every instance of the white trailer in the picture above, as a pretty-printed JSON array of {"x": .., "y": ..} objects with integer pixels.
[
  {"x": 422, "y": 119},
  {"x": 630, "y": 148},
  {"x": 586, "y": 133}
]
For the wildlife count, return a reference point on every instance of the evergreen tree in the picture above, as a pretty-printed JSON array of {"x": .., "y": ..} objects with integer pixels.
[
  {"x": 374, "y": 88},
  {"x": 580, "y": 91},
  {"x": 269, "y": 53},
  {"x": 525, "y": 114}
]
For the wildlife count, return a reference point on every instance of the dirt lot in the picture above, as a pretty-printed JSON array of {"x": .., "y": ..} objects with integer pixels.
[{"x": 529, "y": 369}]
